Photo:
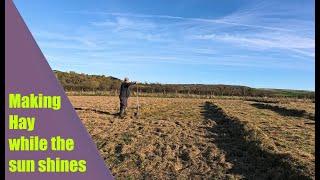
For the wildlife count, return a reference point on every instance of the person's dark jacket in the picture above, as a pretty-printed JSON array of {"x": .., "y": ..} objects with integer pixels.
[{"x": 124, "y": 89}]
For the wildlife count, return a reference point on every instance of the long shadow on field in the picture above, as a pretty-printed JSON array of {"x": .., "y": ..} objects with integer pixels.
[
  {"x": 96, "y": 111},
  {"x": 247, "y": 157},
  {"x": 284, "y": 111}
]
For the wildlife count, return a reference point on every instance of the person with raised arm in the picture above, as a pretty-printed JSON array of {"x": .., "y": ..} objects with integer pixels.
[{"x": 124, "y": 95}]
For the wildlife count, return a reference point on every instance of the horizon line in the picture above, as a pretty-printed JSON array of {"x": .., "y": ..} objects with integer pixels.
[{"x": 262, "y": 88}]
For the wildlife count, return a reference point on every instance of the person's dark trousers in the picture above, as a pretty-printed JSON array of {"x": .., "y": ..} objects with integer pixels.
[{"x": 123, "y": 105}]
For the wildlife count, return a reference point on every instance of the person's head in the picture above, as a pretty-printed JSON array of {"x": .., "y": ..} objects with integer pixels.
[{"x": 126, "y": 79}]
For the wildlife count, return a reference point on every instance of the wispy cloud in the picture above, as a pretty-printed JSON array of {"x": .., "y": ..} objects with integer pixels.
[
  {"x": 297, "y": 44},
  {"x": 253, "y": 27},
  {"x": 67, "y": 38},
  {"x": 120, "y": 23},
  {"x": 232, "y": 20},
  {"x": 260, "y": 27},
  {"x": 276, "y": 27}
]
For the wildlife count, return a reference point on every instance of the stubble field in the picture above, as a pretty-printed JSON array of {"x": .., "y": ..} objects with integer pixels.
[{"x": 181, "y": 138}]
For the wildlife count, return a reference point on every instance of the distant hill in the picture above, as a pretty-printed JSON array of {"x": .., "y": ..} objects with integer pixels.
[{"x": 72, "y": 81}]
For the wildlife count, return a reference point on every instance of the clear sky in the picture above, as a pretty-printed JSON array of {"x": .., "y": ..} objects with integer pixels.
[{"x": 267, "y": 44}]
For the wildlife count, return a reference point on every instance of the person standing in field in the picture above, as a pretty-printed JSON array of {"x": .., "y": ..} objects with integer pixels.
[{"x": 124, "y": 95}]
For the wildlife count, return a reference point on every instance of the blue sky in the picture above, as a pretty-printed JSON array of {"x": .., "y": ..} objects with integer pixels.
[{"x": 265, "y": 44}]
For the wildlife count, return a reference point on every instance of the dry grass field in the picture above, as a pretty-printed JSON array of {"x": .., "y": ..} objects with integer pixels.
[{"x": 180, "y": 138}]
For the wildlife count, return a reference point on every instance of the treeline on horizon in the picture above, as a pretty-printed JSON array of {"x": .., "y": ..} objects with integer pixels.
[{"x": 80, "y": 82}]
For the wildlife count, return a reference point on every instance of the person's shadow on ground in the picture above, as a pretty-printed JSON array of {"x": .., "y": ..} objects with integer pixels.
[{"x": 97, "y": 111}]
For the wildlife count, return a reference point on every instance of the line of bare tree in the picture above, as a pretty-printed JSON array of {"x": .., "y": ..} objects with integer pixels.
[{"x": 80, "y": 82}]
